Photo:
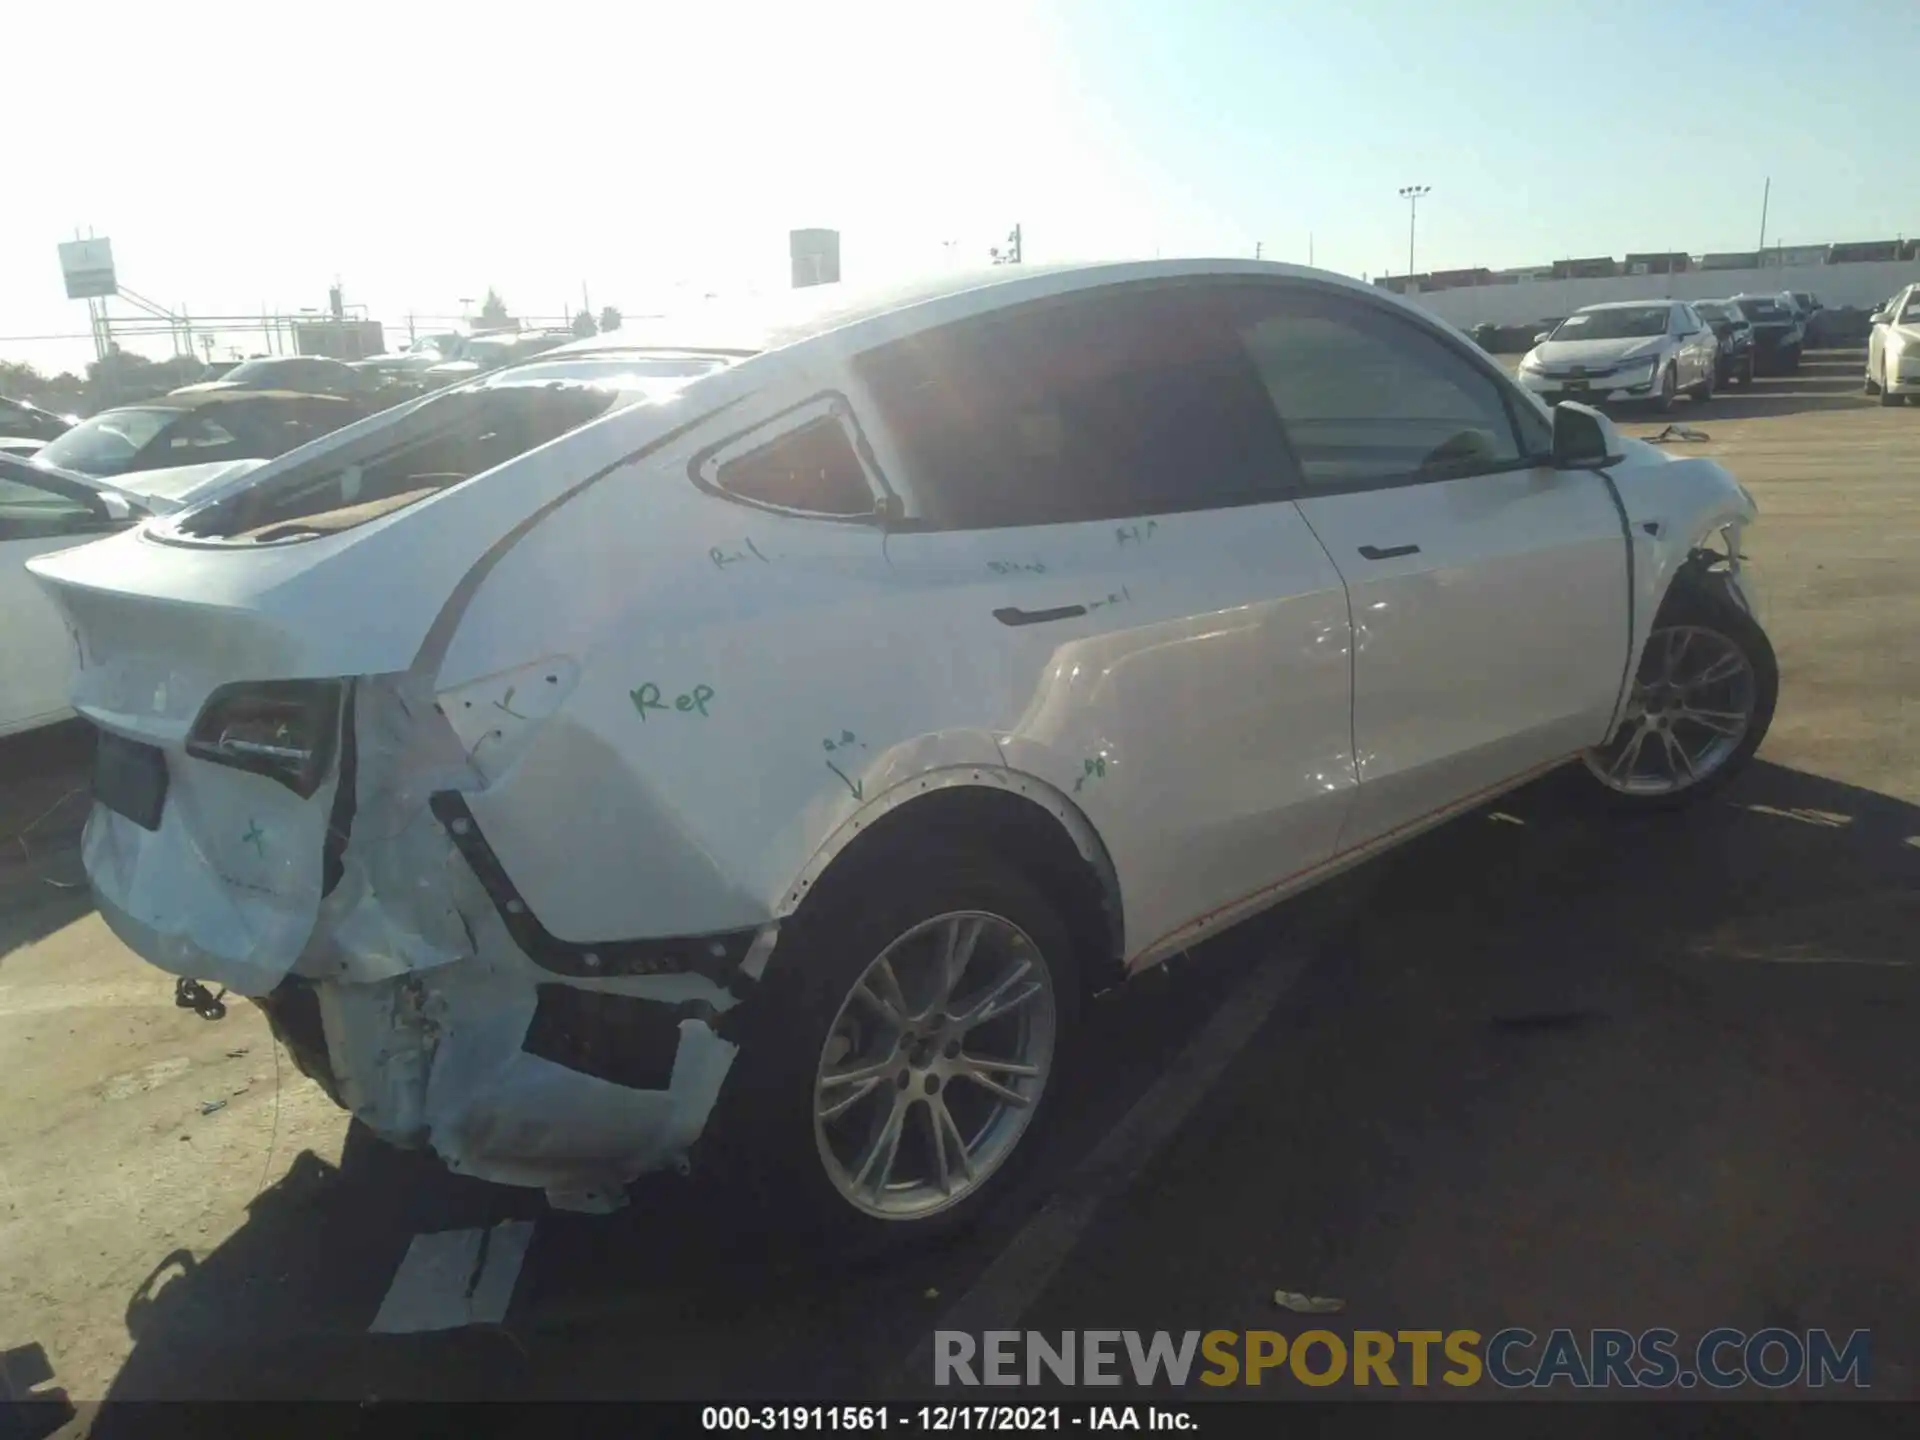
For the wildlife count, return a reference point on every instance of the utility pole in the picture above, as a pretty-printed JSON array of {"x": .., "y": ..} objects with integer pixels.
[
  {"x": 1010, "y": 255},
  {"x": 1256, "y": 249},
  {"x": 1411, "y": 194},
  {"x": 1309, "y": 247},
  {"x": 1765, "y": 196}
]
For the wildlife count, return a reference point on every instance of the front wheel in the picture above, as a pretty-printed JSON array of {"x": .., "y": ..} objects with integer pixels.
[
  {"x": 1704, "y": 390},
  {"x": 903, "y": 1049},
  {"x": 1669, "y": 387},
  {"x": 1700, "y": 705}
]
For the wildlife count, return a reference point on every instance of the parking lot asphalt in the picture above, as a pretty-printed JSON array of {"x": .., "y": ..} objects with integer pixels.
[{"x": 1545, "y": 1067}]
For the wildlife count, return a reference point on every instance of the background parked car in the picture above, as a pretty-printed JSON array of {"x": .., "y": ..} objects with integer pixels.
[
  {"x": 1735, "y": 334},
  {"x": 486, "y": 353},
  {"x": 43, "y": 510},
  {"x": 25, "y": 427},
  {"x": 413, "y": 362},
  {"x": 1777, "y": 332},
  {"x": 307, "y": 374},
  {"x": 1893, "y": 349},
  {"x": 199, "y": 428},
  {"x": 1622, "y": 351}
]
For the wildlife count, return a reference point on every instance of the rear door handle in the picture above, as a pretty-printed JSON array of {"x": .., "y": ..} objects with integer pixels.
[
  {"x": 1013, "y": 615},
  {"x": 1374, "y": 552}
]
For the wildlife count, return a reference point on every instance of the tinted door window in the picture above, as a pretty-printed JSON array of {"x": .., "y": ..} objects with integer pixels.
[
  {"x": 1369, "y": 398},
  {"x": 1123, "y": 402}
]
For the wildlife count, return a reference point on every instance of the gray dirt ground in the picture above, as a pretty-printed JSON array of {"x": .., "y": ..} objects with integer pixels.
[{"x": 1544, "y": 1069}]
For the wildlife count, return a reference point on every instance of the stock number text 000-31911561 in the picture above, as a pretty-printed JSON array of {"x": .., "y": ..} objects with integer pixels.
[{"x": 880, "y": 1417}]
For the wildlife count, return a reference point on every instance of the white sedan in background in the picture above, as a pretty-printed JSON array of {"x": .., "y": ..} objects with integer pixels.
[
  {"x": 1893, "y": 349},
  {"x": 753, "y": 738},
  {"x": 43, "y": 509},
  {"x": 1625, "y": 350}
]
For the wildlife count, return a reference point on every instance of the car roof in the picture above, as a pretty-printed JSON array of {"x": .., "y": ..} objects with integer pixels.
[
  {"x": 1627, "y": 305},
  {"x": 288, "y": 360},
  {"x": 859, "y": 316},
  {"x": 199, "y": 399}
]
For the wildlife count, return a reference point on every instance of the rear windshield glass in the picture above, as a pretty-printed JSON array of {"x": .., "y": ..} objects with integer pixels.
[
  {"x": 1762, "y": 309},
  {"x": 1614, "y": 324},
  {"x": 106, "y": 444},
  {"x": 449, "y": 438}
]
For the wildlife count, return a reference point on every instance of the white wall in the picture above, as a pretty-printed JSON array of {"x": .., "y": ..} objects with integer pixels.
[{"x": 1864, "y": 285}]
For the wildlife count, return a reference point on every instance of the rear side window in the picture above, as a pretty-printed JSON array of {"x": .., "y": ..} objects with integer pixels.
[
  {"x": 1119, "y": 402},
  {"x": 813, "y": 469},
  {"x": 1369, "y": 398}
]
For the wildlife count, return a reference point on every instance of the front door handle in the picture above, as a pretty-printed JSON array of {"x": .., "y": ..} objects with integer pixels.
[
  {"x": 1013, "y": 615},
  {"x": 1374, "y": 552}
]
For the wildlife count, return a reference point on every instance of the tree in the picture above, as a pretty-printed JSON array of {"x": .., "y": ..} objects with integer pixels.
[
  {"x": 493, "y": 310},
  {"x": 609, "y": 319},
  {"x": 18, "y": 378},
  {"x": 583, "y": 324}
]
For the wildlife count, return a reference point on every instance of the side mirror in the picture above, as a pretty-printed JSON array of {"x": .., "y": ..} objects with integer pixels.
[
  {"x": 1541, "y": 338},
  {"x": 1879, "y": 317},
  {"x": 1583, "y": 438}
]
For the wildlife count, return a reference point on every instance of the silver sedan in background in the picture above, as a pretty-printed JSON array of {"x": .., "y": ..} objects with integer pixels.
[{"x": 1622, "y": 351}]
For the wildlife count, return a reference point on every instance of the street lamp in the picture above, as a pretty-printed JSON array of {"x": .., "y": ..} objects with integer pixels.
[{"x": 1411, "y": 194}]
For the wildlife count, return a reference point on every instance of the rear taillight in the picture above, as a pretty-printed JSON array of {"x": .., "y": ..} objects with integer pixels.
[{"x": 286, "y": 730}]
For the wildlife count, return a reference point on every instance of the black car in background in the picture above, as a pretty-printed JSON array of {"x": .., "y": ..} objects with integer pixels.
[
  {"x": 1777, "y": 332},
  {"x": 306, "y": 374},
  {"x": 199, "y": 428},
  {"x": 1735, "y": 334},
  {"x": 24, "y": 428}
]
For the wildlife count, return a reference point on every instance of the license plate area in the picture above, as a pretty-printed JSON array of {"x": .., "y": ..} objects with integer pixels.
[{"x": 130, "y": 779}]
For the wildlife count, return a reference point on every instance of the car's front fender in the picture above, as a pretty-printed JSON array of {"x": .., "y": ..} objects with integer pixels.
[{"x": 1673, "y": 507}]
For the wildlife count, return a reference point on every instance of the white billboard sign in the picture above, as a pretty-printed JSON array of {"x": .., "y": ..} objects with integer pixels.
[{"x": 87, "y": 267}]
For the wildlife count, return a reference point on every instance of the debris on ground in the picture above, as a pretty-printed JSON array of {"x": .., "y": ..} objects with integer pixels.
[
  {"x": 207, "y": 1107},
  {"x": 932, "y": 1294},
  {"x": 1678, "y": 432},
  {"x": 236, "y": 1054},
  {"x": 1308, "y": 1304}
]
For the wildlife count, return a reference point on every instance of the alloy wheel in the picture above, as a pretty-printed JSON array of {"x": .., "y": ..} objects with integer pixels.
[
  {"x": 933, "y": 1066},
  {"x": 1691, "y": 707}
]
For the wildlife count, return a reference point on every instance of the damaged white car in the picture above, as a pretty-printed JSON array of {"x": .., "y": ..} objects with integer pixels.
[{"x": 753, "y": 739}]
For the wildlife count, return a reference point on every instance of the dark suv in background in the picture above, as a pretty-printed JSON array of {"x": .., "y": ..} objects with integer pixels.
[
  {"x": 1777, "y": 332},
  {"x": 1735, "y": 334}
]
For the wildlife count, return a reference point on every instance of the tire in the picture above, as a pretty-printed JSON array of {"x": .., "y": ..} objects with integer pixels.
[
  {"x": 1702, "y": 392},
  {"x": 1792, "y": 360},
  {"x": 1700, "y": 605},
  {"x": 1663, "y": 402},
  {"x": 763, "y": 1142}
]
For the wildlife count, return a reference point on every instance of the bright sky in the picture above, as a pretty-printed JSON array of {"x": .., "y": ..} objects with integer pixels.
[{"x": 422, "y": 151}]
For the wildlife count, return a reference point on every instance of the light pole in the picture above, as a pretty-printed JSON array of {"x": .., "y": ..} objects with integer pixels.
[{"x": 1411, "y": 194}]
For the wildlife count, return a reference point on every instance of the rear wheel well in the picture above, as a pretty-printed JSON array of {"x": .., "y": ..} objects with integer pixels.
[{"x": 1015, "y": 829}]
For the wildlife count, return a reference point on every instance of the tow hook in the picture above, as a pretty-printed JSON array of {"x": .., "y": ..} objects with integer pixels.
[{"x": 192, "y": 995}]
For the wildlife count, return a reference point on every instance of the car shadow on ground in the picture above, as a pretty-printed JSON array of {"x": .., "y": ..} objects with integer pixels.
[
  {"x": 1826, "y": 380},
  {"x": 43, "y": 804},
  {"x": 679, "y": 1296}
]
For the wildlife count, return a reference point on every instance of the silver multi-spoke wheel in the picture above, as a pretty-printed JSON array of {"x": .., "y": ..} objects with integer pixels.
[
  {"x": 1691, "y": 708},
  {"x": 933, "y": 1066}
]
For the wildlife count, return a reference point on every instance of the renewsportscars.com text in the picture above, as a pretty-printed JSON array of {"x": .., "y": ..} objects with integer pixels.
[{"x": 1513, "y": 1358}]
